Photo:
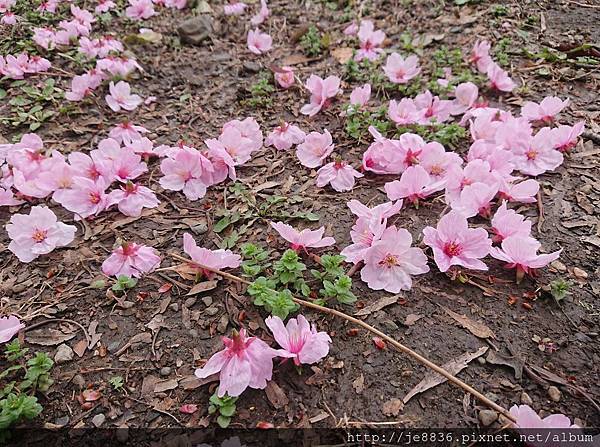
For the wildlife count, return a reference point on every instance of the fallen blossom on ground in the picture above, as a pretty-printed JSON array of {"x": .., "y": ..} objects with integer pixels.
[
  {"x": 321, "y": 92},
  {"x": 214, "y": 259},
  {"x": 299, "y": 340},
  {"x": 120, "y": 97},
  {"x": 315, "y": 148},
  {"x": 9, "y": 327},
  {"x": 546, "y": 111},
  {"x": 259, "y": 42},
  {"x": 284, "y": 76},
  {"x": 360, "y": 95},
  {"x": 400, "y": 70},
  {"x": 284, "y": 136},
  {"x": 262, "y": 15},
  {"x": 131, "y": 259},
  {"x": 527, "y": 418},
  {"x": 339, "y": 174},
  {"x": 370, "y": 41},
  {"x": 499, "y": 79},
  {"x": 415, "y": 184},
  {"x": 507, "y": 222},
  {"x": 301, "y": 240},
  {"x": 234, "y": 8},
  {"x": 520, "y": 253},
  {"x": 140, "y": 9},
  {"x": 131, "y": 199},
  {"x": 37, "y": 233}
]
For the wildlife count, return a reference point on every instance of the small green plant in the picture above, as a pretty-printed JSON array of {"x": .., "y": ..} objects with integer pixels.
[
  {"x": 311, "y": 42},
  {"x": 123, "y": 284},
  {"x": 358, "y": 121},
  {"x": 500, "y": 10},
  {"x": 332, "y": 264},
  {"x": 446, "y": 134},
  {"x": 559, "y": 289},
  {"x": 260, "y": 93},
  {"x": 264, "y": 292},
  {"x": 224, "y": 407},
  {"x": 17, "y": 399},
  {"x": 116, "y": 382},
  {"x": 340, "y": 289},
  {"x": 254, "y": 259},
  {"x": 501, "y": 51}
]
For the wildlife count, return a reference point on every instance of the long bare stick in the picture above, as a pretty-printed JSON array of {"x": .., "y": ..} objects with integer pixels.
[{"x": 418, "y": 357}]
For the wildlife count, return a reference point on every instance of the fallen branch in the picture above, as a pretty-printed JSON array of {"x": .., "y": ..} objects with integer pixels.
[
  {"x": 591, "y": 136},
  {"x": 419, "y": 358}
]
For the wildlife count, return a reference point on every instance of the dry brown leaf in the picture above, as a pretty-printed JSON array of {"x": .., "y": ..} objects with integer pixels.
[
  {"x": 359, "y": 384},
  {"x": 48, "y": 337},
  {"x": 202, "y": 287},
  {"x": 192, "y": 382},
  {"x": 455, "y": 366},
  {"x": 265, "y": 185},
  {"x": 276, "y": 395},
  {"x": 295, "y": 59},
  {"x": 342, "y": 55},
  {"x": 165, "y": 385},
  {"x": 80, "y": 348},
  {"x": 412, "y": 319},
  {"x": 392, "y": 407},
  {"x": 477, "y": 329},
  {"x": 377, "y": 305}
]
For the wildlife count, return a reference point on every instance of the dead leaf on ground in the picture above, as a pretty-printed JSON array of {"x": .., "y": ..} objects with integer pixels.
[
  {"x": 319, "y": 417},
  {"x": 342, "y": 55},
  {"x": 202, "y": 287},
  {"x": 392, "y": 407},
  {"x": 276, "y": 395},
  {"x": 48, "y": 337},
  {"x": 192, "y": 382},
  {"x": 474, "y": 327},
  {"x": 377, "y": 305},
  {"x": 165, "y": 385},
  {"x": 359, "y": 384},
  {"x": 433, "y": 379},
  {"x": 496, "y": 358},
  {"x": 412, "y": 319},
  {"x": 80, "y": 348}
]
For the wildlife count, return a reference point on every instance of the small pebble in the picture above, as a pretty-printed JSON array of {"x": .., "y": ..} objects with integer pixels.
[
  {"x": 526, "y": 399},
  {"x": 559, "y": 266},
  {"x": 207, "y": 300},
  {"x": 554, "y": 393},
  {"x": 211, "y": 311},
  {"x": 487, "y": 417},
  {"x": 98, "y": 420},
  {"x": 174, "y": 307},
  {"x": 579, "y": 273},
  {"x": 165, "y": 371},
  {"x": 79, "y": 381},
  {"x": 63, "y": 354}
]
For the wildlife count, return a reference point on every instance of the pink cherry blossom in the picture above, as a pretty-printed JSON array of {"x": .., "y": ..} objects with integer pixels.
[
  {"x": 6, "y": 5},
  {"x": 383, "y": 156},
  {"x": 499, "y": 78},
  {"x": 262, "y": 15},
  {"x": 233, "y": 143},
  {"x": 178, "y": 4},
  {"x": 360, "y": 95},
  {"x": 475, "y": 199},
  {"x": 234, "y": 8},
  {"x": 299, "y": 340},
  {"x": 222, "y": 162},
  {"x": 405, "y": 112},
  {"x": 400, "y": 70},
  {"x": 432, "y": 108},
  {"x": 250, "y": 134},
  {"x": 10, "y": 18},
  {"x": 520, "y": 253},
  {"x": 285, "y": 136},
  {"x": 480, "y": 56},
  {"x": 188, "y": 171},
  {"x": 57, "y": 176},
  {"x": 484, "y": 128},
  {"x": 391, "y": 261},
  {"x": 445, "y": 81},
  {"x": 370, "y": 41},
  {"x": 321, "y": 92},
  {"x": 339, "y": 174},
  {"x": 259, "y": 42},
  {"x": 214, "y": 259},
  {"x": 410, "y": 146},
  {"x": 44, "y": 37},
  {"x": 131, "y": 199},
  {"x": 245, "y": 362},
  {"x": 128, "y": 166},
  {"x": 351, "y": 29},
  {"x": 82, "y": 15},
  {"x": 524, "y": 192},
  {"x": 458, "y": 178},
  {"x": 117, "y": 66},
  {"x": 466, "y": 95},
  {"x": 546, "y": 111},
  {"x": 145, "y": 148},
  {"x": 436, "y": 161},
  {"x": 382, "y": 211},
  {"x": 507, "y": 222},
  {"x": 284, "y": 76},
  {"x": 9, "y": 327},
  {"x": 131, "y": 259},
  {"x": 37, "y": 233},
  {"x": 534, "y": 156},
  {"x": 86, "y": 198},
  {"x": 121, "y": 98},
  {"x": 104, "y": 6},
  {"x": 454, "y": 243},
  {"x": 527, "y": 418},
  {"x": 564, "y": 138},
  {"x": 7, "y": 198},
  {"x": 301, "y": 240},
  {"x": 94, "y": 167},
  {"x": 127, "y": 132},
  {"x": 365, "y": 232},
  {"x": 140, "y": 9},
  {"x": 81, "y": 86},
  {"x": 415, "y": 184},
  {"x": 315, "y": 148}
]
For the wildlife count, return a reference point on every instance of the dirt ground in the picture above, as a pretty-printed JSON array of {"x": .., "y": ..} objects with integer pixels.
[{"x": 198, "y": 88}]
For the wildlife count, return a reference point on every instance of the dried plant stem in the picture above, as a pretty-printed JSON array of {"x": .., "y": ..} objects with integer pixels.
[{"x": 419, "y": 358}]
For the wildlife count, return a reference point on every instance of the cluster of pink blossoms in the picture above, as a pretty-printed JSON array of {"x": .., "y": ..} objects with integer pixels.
[
  {"x": 17, "y": 67},
  {"x": 144, "y": 9},
  {"x": 248, "y": 361}
]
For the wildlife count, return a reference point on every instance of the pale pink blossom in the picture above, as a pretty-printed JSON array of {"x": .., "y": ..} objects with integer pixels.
[
  {"x": 432, "y": 108},
  {"x": 436, "y": 161},
  {"x": 118, "y": 66},
  {"x": 454, "y": 243},
  {"x": 131, "y": 259},
  {"x": 10, "y": 18},
  {"x": 546, "y": 111},
  {"x": 299, "y": 340},
  {"x": 145, "y": 148},
  {"x": 37, "y": 233},
  {"x": 383, "y": 156},
  {"x": 86, "y": 198},
  {"x": 234, "y": 8},
  {"x": 315, "y": 148},
  {"x": 231, "y": 141},
  {"x": 366, "y": 231},
  {"x": 458, "y": 178},
  {"x": 262, "y": 14},
  {"x": 499, "y": 78},
  {"x": 284, "y": 76},
  {"x": 445, "y": 81},
  {"x": 45, "y": 38},
  {"x": 121, "y": 98},
  {"x": 339, "y": 174},
  {"x": 245, "y": 362},
  {"x": 390, "y": 262},
  {"x": 48, "y": 6},
  {"x": 186, "y": 171},
  {"x": 6, "y": 5},
  {"x": 415, "y": 184},
  {"x": 351, "y": 29},
  {"x": 259, "y": 42},
  {"x": 484, "y": 127},
  {"x": 131, "y": 199},
  {"x": 9, "y": 327},
  {"x": 405, "y": 112},
  {"x": 251, "y": 136},
  {"x": 285, "y": 136},
  {"x": 507, "y": 222},
  {"x": 382, "y": 211},
  {"x": 564, "y": 138},
  {"x": 370, "y": 41},
  {"x": 513, "y": 133},
  {"x": 480, "y": 56},
  {"x": 104, "y": 6},
  {"x": 534, "y": 156},
  {"x": 524, "y": 192},
  {"x": 301, "y": 240},
  {"x": 214, "y": 259},
  {"x": 178, "y": 4},
  {"x": 128, "y": 166},
  {"x": 82, "y": 16},
  {"x": 7, "y": 198},
  {"x": 140, "y": 9},
  {"x": 321, "y": 93},
  {"x": 527, "y": 418},
  {"x": 127, "y": 132},
  {"x": 475, "y": 199},
  {"x": 360, "y": 95},
  {"x": 222, "y": 162},
  {"x": 400, "y": 70},
  {"x": 81, "y": 86},
  {"x": 57, "y": 176},
  {"x": 465, "y": 97},
  {"x": 520, "y": 253}
]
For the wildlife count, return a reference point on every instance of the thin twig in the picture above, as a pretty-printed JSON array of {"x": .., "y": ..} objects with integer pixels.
[{"x": 419, "y": 358}]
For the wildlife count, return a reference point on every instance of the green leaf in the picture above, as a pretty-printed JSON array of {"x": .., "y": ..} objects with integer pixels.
[
  {"x": 227, "y": 411},
  {"x": 223, "y": 223},
  {"x": 223, "y": 421}
]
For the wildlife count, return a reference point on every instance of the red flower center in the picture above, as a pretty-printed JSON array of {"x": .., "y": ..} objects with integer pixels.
[
  {"x": 389, "y": 261},
  {"x": 452, "y": 249},
  {"x": 39, "y": 235}
]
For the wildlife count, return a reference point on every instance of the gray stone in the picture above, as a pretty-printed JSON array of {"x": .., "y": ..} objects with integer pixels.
[
  {"x": 207, "y": 300},
  {"x": 63, "y": 354},
  {"x": 190, "y": 302},
  {"x": 211, "y": 311},
  {"x": 487, "y": 417},
  {"x": 174, "y": 307},
  {"x": 165, "y": 371},
  {"x": 196, "y": 30},
  {"x": 389, "y": 325},
  {"x": 223, "y": 322},
  {"x": 554, "y": 393},
  {"x": 251, "y": 67},
  {"x": 62, "y": 421},
  {"x": 98, "y": 420},
  {"x": 201, "y": 228},
  {"x": 525, "y": 399},
  {"x": 79, "y": 381}
]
